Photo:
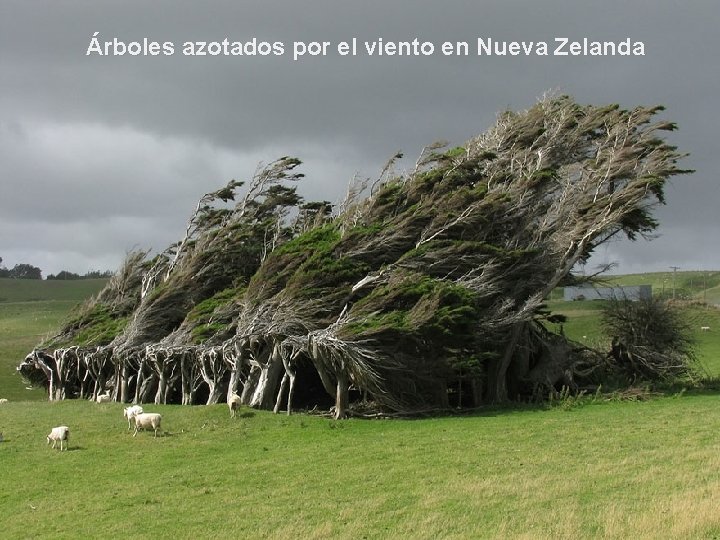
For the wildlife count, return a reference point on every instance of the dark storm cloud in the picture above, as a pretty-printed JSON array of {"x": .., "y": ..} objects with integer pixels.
[{"x": 90, "y": 145}]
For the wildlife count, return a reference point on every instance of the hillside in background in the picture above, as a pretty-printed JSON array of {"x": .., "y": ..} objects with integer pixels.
[
  {"x": 35, "y": 290},
  {"x": 30, "y": 311},
  {"x": 701, "y": 285}
]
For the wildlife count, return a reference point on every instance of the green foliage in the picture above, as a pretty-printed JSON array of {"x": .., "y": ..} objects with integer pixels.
[
  {"x": 285, "y": 260},
  {"x": 396, "y": 320},
  {"x": 213, "y": 315},
  {"x": 447, "y": 315},
  {"x": 96, "y": 326},
  {"x": 455, "y": 152},
  {"x": 651, "y": 339},
  {"x": 320, "y": 239},
  {"x": 389, "y": 193},
  {"x": 451, "y": 260},
  {"x": 21, "y": 271},
  {"x": 204, "y": 331},
  {"x": 310, "y": 264},
  {"x": 362, "y": 232},
  {"x": 92, "y": 274},
  {"x": 435, "y": 312},
  {"x": 204, "y": 310}
]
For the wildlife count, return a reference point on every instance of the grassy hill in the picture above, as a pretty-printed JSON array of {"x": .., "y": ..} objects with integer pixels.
[
  {"x": 29, "y": 310},
  {"x": 690, "y": 285}
]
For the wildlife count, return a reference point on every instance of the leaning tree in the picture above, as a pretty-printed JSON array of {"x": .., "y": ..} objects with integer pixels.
[
  {"x": 456, "y": 258},
  {"x": 420, "y": 283}
]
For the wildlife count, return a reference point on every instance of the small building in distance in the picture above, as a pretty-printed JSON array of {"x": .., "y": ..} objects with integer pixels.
[{"x": 629, "y": 292}]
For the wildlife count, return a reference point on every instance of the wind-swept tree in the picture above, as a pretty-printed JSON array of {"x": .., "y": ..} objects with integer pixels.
[{"x": 434, "y": 281}]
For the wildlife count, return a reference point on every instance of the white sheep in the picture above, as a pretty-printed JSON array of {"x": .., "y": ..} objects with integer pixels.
[
  {"x": 60, "y": 433},
  {"x": 103, "y": 398},
  {"x": 233, "y": 404},
  {"x": 3, "y": 400},
  {"x": 704, "y": 328},
  {"x": 131, "y": 412},
  {"x": 147, "y": 420}
]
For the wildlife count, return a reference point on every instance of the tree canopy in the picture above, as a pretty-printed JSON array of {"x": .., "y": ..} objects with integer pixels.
[
  {"x": 21, "y": 271},
  {"x": 434, "y": 280}
]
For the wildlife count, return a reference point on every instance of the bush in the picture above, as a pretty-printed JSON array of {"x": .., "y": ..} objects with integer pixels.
[{"x": 651, "y": 340}]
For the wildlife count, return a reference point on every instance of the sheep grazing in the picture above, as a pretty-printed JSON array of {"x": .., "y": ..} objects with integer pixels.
[
  {"x": 233, "y": 404},
  {"x": 3, "y": 400},
  {"x": 103, "y": 398},
  {"x": 132, "y": 412},
  {"x": 60, "y": 433},
  {"x": 704, "y": 328},
  {"x": 147, "y": 420}
]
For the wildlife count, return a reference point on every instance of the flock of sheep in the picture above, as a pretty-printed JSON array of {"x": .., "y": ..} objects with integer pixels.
[
  {"x": 133, "y": 414},
  {"x": 143, "y": 420}
]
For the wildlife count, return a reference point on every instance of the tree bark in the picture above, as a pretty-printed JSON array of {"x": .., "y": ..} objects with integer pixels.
[
  {"x": 283, "y": 386},
  {"x": 342, "y": 397},
  {"x": 267, "y": 382},
  {"x": 236, "y": 360},
  {"x": 498, "y": 379}
]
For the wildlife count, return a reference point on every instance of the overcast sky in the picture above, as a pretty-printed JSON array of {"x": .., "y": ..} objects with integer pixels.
[{"x": 100, "y": 155}]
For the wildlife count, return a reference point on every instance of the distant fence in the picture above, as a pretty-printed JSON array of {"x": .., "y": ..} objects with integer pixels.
[{"x": 632, "y": 292}]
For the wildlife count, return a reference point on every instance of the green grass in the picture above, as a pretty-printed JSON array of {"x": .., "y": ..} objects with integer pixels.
[
  {"x": 615, "y": 469},
  {"x": 30, "y": 310},
  {"x": 35, "y": 290}
]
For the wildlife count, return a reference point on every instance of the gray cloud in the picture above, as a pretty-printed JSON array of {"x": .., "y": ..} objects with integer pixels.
[{"x": 99, "y": 154}]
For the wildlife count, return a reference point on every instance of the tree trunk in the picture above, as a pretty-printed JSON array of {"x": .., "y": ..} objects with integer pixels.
[
  {"x": 342, "y": 397},
  {"x": 125, "y": 383},
  {"x": 250, "y": 385},
  {"x": 236, "y": 368},
  {"x": 283, "y": 386},
  {"x": 215, "y": 393},
  {"x": 60, "y": 379},
  {"x": 325, "y": 378},
  {"x": 267, "y": 382},
  {"x": 162, "y": 388},
  {"x": 291, "y": 392},
  {"x": 497, "y": 379},
  {"x": 146, "y": 390},
  {"x": 186, "y": 383},
  {"x": 139, "y": 383},
  {"x": 476, "y": 388},
  {"x": 83, "y": 385},
  {"x": 51, "y": 387}
]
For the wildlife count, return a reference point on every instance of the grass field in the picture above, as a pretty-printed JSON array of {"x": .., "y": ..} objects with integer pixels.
[
  {"x": 590, "y": 468},
  {"x": 30, "y": 310},
  {"x": 611, "y": 469}
]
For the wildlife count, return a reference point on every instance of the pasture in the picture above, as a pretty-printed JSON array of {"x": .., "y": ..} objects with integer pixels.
[
  {"x": 607, "y": 469},
  {"x": 599, "y": 466},
  {"x": 30, "y": 310}
]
